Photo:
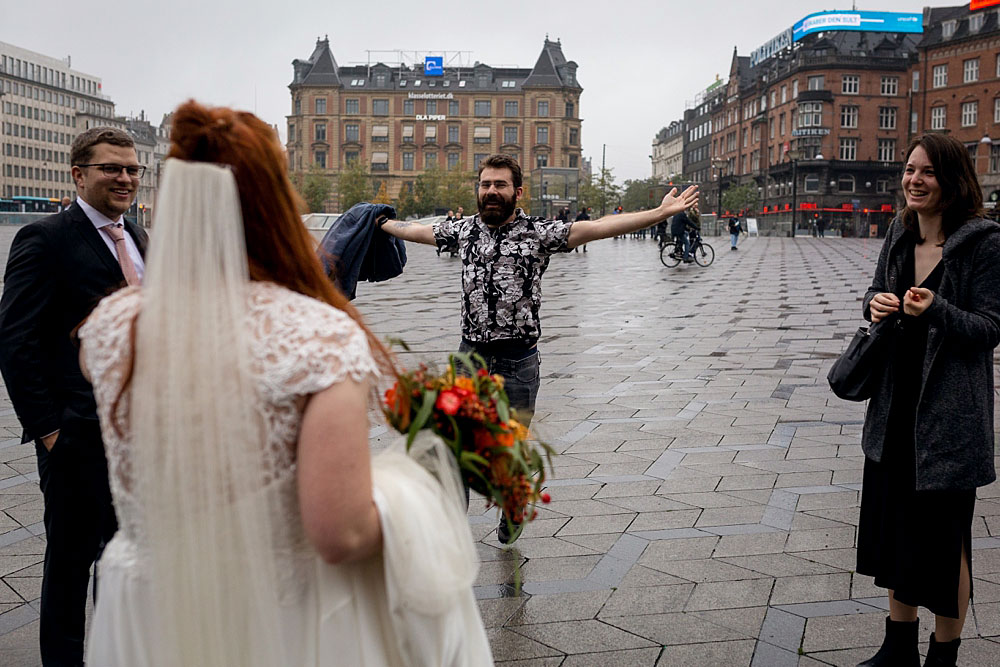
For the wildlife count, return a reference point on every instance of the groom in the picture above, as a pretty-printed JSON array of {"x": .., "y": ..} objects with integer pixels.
[{"x": 58, "y": 269}]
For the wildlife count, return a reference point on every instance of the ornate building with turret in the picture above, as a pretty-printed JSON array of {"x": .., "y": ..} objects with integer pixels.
[{"x": 399, "y": 119}]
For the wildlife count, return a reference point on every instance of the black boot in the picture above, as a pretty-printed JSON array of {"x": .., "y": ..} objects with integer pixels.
[
  {"x": 942, "y": 654},
  {"x": 899, "y": 648}
]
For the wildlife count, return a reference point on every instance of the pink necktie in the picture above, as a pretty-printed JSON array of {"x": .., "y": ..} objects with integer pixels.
[{"x": 117, "y": 234}]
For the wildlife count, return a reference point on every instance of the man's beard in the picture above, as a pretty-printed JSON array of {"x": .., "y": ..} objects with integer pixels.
[{"x": 498, "y": 214}]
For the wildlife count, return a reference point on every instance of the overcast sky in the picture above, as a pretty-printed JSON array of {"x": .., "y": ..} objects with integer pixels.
[{"x": 640, "y": 61}]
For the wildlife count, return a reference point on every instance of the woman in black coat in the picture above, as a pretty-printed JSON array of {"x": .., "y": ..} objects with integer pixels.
[{"x": 928, "y": 433}]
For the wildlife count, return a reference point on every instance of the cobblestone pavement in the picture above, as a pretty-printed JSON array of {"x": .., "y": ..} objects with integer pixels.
[{"x": 705, "y": 500}]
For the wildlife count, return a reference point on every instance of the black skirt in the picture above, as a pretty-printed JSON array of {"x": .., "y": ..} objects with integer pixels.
[{"x": 911, "y": 541}]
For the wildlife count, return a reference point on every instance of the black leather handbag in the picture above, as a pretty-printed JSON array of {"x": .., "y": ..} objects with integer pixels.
[{"x": 856, "y": 374}]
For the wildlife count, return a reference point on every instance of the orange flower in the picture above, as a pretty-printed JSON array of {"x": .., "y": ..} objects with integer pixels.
[
  {"x": 484, "y": 439},
  {"x": 465, "y": 383},
  {"x": 390, "y": 396}
]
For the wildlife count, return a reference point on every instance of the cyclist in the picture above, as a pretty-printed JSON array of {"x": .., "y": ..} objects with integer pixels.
[{"x": 682, "y": 227}]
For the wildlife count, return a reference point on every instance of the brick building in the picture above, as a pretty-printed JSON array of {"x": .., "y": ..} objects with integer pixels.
[
  {"x": 817, "y": 128},
  {"x": 399, "y": 120},
  {"x": 955, "y": 85}
]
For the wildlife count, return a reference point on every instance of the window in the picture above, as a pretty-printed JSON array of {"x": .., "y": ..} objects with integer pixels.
[
  {"x": 452, "y": 106},
  {"x": 380, "y": 107},
  {"x": 795, "y": 89},
  {"x": 887, "y": 118},
  {"x": 380, "y": 80},
  {"x": 810, "y": 183},
  {"x": 848, "y": 148},
  {"x": 784, "y": 94},
  {"x": 479, "y": 158},
  {"x": 948, "y": 28},
  {"x": 937, "y": 118},
  {"x": 850, "y": 84},
  {"x": 432, "y": 107},
  {"x": 886, "y": 150},
  {"x": 916, "y": 81},
  {"x": 507, "y": 83},
  {"x": 321, "y": 159},
  {"x": 882, "y": 185},
  {"x": 810, "y": 114},
  {"x": 510, "y": 108},
  {"x": 481, "y": 134},
  {"x": 408, "y": 134},
  {"x": 430, "y": 134},
  {"x": 574, "y": 136},
  {"x": 380, "y": 161},
  {"x": 320, "y": 131},
  {"x": 350, "y": 156},
  {"x": 482, "y": 108},
  {"x": 995, "y": 158},
  {"x": 430, "y": 160},
  {"x": 543, "y": 108},
  {"x": 452, "y": 160},
  {"x": 913, "y": 122},
  {"x": 408, "y": 108},
  {"x": 998, "y": 64},
  {"x": 320, "y": 105},
  {"x": 939, "y": 76},
  {"x": 849, "y": 116},
  {"x": 976, "y": 21},
  {"x": 542, "y": 134},
  {"x": 570, "y": 110},
  {"x": 510, "y": 134},
  {"x": 845, "y": 183},
  {"x": 352, "y": 132},
  {"x": 970, "y": 113},
  {"x": 542, "y": 160},
  {"x": 482, "y": 80},
  {"x": 996, "y": 110},
  {"x": 408, "y": 160},
  {"x": 817, "y": 82},
  {"x": 774, "y": 97},
  {"x": 781, "y": 124},
  {"x": 380, "y": 133},
  {"x": 574, "y": 161},
  {"x": 298, "y": 107},
  {"x": 889, "y": 85},
  {"x": 453, "y": 131},
  {"x": 970, "y": 70}
]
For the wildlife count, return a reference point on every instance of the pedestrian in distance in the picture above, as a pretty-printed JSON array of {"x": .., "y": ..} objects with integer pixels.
[
  {"x": 58, "y": 269},
  {"x": 582, "y": 215},
  {"x": 821, "y": 227},
  {"x": 734, "y": 232},
  {"x": 504, "y": 254},
  {"x": 938, "y": 274}
]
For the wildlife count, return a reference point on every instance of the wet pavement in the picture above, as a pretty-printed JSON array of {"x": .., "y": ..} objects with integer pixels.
[{"x": 705, "y": 500}]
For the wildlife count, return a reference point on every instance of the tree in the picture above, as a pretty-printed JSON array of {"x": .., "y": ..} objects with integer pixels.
[
  {"x": 600, "y": 194},
  {"x": 353, "y": 184},
  {"x": 382, "y": 196},
  {"x": 525, "y": 201},
  {"x": 457, "y": 190},
  {"x": 406, "y": 205},
  {"x": 641, "y": 193},
  {"x": 427, "y": 190},
  {"x": 315, "y": 187},
  {"x": 740, "y": 198}
]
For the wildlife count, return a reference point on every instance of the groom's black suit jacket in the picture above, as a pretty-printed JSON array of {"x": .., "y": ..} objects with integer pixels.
[{"x": 57, "y": 270}]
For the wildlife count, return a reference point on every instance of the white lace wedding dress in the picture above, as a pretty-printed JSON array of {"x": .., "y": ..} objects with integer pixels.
[{"x": 412, "y": 605}]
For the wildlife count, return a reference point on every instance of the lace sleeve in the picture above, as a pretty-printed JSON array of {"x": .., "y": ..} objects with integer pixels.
[
  {"x": 105, "y": 339},
  {"x": 307, "y": 346}
]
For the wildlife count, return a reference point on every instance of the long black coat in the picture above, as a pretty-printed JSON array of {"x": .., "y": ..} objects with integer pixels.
[
  {"x": 954, "y": 423},
  {"x": 58, "y": 269}
]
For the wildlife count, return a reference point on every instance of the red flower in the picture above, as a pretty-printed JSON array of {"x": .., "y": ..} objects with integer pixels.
[
  {"x": 448, "y": 402},
  {"x": 544, "y": 497},
  {"x": 482, "y": 372}
]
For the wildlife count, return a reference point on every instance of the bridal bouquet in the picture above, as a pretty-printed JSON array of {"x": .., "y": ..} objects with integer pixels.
[{"x": 468, "y": 409}]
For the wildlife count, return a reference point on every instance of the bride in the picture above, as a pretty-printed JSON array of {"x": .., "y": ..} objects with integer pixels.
[{"x": 255, "y": 527}]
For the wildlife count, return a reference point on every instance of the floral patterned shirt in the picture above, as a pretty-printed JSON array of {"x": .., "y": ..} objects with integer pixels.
[{"x": 502, "y": 273}]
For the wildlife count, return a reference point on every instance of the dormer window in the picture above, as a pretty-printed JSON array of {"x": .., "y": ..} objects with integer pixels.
[
  {"x": 948, "y": 28},
  {"x": 380, "y": 80},
  {"x": 976, "y": 22}
]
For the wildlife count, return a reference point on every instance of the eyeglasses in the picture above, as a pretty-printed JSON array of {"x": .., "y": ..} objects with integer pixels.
[{"x": 112, "y": 170}]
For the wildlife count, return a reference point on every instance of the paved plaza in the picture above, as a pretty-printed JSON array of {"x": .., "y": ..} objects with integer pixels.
[{"x": 706, "y": 494}]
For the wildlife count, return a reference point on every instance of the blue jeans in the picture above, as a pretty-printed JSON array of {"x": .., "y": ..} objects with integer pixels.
[
  {"x": 521, "y": 378},
  {"x": 734, "y": 238}
]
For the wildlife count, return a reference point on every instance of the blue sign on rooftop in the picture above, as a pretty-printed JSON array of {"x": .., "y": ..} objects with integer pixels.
[
  {"x": 858, "y": 20},
  {"x": 434, "y": 66}
]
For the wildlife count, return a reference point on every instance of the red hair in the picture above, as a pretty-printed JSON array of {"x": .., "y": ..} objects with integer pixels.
[{"x": 279, "y": 247}]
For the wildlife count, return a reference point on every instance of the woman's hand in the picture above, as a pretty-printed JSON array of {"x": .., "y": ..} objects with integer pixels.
[
  {"x": 674, "y": 203},
  {"x": 882, "y": 305},
  {"x": 917, "y": 300}
]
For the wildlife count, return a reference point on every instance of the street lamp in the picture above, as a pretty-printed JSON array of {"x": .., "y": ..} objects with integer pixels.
[
  {"x": 718, "y": 164},
  {"x": 795, "y": 156}
]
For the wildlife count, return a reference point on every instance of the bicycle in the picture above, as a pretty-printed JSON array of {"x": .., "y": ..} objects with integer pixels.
[{"x": 702, "y": 253}]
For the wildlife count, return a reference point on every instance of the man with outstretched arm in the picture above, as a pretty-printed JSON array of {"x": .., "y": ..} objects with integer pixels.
[{"x": 504, "y": 254}]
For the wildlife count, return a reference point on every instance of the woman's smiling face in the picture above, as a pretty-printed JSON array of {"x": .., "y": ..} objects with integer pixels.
[{"x": 920, "y": 185}]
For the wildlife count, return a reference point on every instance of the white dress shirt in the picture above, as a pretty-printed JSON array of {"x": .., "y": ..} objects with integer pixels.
[{"x": 99, "y": 220}]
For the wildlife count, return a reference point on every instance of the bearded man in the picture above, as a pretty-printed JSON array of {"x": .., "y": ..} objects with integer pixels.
[{"x": 504, "y": 254}]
